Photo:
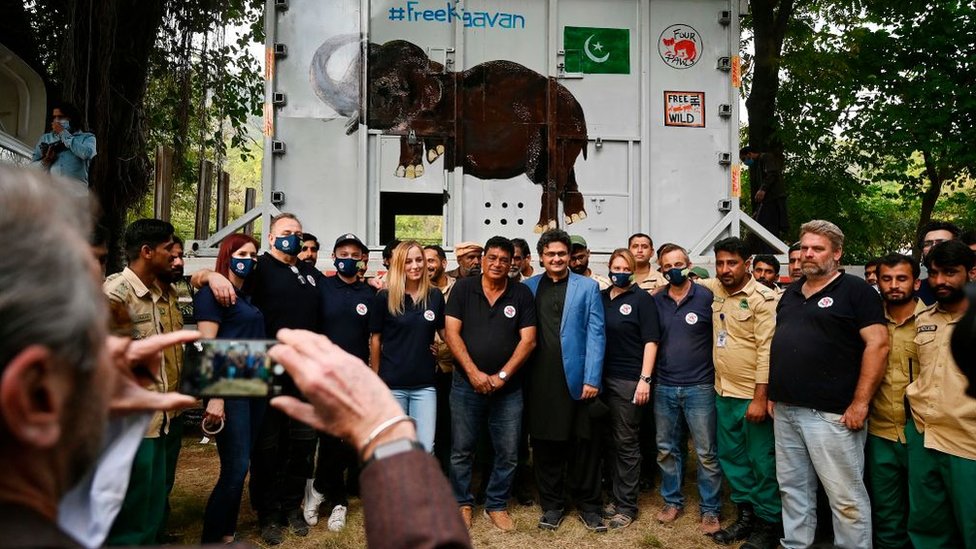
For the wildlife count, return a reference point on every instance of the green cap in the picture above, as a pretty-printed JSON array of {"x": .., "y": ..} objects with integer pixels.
[
  {"x": 576, "y": 240},
  {"x": 702, "y": 272}
]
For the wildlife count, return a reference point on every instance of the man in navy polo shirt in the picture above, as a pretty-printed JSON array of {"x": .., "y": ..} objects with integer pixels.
[
  {"x": 826, "y": 361},
  {"x": 490, "y": 328},
  {"x": 345, "y": 302},
  {"x": 684, "y": 381}
]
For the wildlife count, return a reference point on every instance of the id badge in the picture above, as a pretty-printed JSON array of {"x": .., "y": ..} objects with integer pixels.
[{"x": 720, "y": 339}]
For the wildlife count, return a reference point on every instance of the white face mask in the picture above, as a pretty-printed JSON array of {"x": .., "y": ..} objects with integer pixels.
[{"x": 65, "y": 123}]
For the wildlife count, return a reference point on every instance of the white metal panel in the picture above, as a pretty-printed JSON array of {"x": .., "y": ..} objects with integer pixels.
[{"x": 686, "y": 180}]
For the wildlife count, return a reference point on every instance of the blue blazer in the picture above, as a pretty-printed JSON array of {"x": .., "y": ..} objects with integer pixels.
[{"x": 581, "y": 332}]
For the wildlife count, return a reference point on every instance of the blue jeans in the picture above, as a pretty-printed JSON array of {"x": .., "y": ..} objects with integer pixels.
[
  {"x": 696, "y": 403},
  {"x": 470, "y": 412},
  {"x": 809, "y": 444},
  {"x": 234, "y": 443},
  {"x": 421, "y": 405}
]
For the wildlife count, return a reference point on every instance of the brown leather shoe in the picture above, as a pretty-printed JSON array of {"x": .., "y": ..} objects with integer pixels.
[
  {"x": 466, "y": 512},
  {"x": 669, "y": 513},
  {"x": 501, "y": 519},
  {"x": 710, "y": 524}
]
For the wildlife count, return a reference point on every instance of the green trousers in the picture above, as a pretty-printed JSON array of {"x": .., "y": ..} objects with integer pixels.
[
  {"x": 941, "y": 495},
  {"x": 887, "y": 476},
  {"x": 173, "y": 444},
  {"x": 747, "y": 454},
  {"x": 141, "y": 516}
]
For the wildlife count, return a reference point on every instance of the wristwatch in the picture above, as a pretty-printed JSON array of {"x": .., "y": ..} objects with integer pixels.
[
  {"x": 502, "y": 375},
  {"x": 392, "y": 448},
  {"x": 646, "y": 379}
]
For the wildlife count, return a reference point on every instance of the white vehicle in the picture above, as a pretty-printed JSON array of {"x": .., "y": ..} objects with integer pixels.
[
  {"x": 23, "y": 104},
  {"x": 604, "y": 118}
]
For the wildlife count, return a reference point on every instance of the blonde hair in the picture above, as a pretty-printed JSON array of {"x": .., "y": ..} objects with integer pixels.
[
  {"x": 396, "y": 278},
  {"x": 825, "y": 229},
  {"x": 626, "y": 255}
]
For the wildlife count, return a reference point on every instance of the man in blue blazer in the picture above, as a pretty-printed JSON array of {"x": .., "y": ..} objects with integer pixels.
[{"x": 564, "y": 377}]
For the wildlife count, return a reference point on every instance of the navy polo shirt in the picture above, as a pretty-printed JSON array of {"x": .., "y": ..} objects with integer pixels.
[
  {"x": 685, "y": 355},
  {"x": 491, "y": 332},
  {"x": 815, "y": 356},
  {"x": 287, "y": 295},
  {"x": 406, "y": 361},
  {"x": 631, "y": 323},
  {"x": 242, "y": 320},
  {"x": 345, "y": 311}
]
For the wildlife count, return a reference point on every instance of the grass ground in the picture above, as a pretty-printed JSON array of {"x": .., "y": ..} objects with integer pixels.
[{"x": 198, "y": 470}]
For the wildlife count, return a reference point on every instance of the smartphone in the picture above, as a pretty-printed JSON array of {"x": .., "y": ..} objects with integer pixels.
[{"x": 231, "y": 368}]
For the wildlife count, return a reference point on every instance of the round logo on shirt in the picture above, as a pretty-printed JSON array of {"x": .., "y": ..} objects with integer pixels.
[
  {"x": 311, "y": 279},
  {"x": 429, "y": 315},
  {"x": 361, "y": 309},
  {"x": 691, "y": 318},
  {"x": 509, "y": 311},
  {"x": 825, "y": 302},
  {"x": 278, "y": 370},
  {"x": 626, "y": 309}
]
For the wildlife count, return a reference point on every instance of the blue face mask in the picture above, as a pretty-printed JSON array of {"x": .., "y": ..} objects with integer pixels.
[
  {"x": 622, "y": 280},
  {"x": 749, "y": 162},
  {"x": 290, "y": 244},
  {"x": 347, "y": 266},
  {"x": 242, "y": 266},
  {"x": 676, "y": 276}
]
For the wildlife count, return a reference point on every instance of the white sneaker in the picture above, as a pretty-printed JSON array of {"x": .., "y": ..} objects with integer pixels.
[
  {"x": 337, "y": 520},
  {"x": 313, "y": 500}
]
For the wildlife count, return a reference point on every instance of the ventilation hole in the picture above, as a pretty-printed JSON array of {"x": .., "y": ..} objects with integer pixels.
[
  {"x": 487, "y": 204},
  {"x": 520, "y": 205},
  {"x": 504, "y": 222},
  {"x": 487, "y": 222},
  {"x": 504, "y": 204},
  {"x": 520, "y": 222}
]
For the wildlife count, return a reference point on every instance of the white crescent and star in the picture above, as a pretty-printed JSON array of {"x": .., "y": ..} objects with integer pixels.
[{"x": 598, "y": 46}]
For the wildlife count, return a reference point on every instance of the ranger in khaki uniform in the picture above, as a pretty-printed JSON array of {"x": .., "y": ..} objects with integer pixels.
[
  {"x": 140, "y": 309},
  {"x": 646, "y": 276},
  {"x": 942, "y": 440},
  {"x": 886, "y": 452},
  {"x": 743, "y": 320}
]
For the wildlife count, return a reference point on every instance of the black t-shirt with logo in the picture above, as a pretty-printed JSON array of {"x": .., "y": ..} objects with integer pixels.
[
  {"x": 287, "y": 295},
  {"x": 406, "y": 361},
  {"x": 631, "y": 323},
  {"x": 815, "y": 357},
  {"x": 345, "y": 312},
  {"x": 491, "y": 332}
]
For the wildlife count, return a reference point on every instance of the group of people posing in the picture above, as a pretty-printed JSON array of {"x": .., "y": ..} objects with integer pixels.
[{"x": 821, "y": 381}]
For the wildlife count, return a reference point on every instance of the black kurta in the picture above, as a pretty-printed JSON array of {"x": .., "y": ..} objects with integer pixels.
[{"x": 551, "y": 409}]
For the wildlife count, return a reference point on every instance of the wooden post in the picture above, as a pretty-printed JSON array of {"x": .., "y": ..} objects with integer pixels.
[
  {"x": 204, "y": 186},
  {"x": 223, "y": 199},
  {"x": 163, "y": 189},
  {"x": 250, "y": 197}
]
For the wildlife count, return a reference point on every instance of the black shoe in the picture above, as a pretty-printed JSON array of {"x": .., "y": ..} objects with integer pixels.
[
  {"x": 551, "y": 520},
  {"x": 297, "y": 524},
  {"x": 272, "y": 534},
  {"x": 738, "y": 530},
  {"x": 765, "y": 535},
  {"x": 593, "y": 522}
]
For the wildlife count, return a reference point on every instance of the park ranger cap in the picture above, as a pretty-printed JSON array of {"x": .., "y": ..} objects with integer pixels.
[{"x": 347, "y": 238}]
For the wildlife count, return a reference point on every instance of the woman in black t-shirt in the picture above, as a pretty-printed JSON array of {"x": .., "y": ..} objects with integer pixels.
[
  {"x": 241, "y": 417},
  {"x": 633, "y": 331},
  {"x": 404, "y": 319}
]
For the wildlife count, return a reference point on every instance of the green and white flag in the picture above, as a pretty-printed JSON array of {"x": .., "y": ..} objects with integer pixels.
[{"x": 597, "y": 50}]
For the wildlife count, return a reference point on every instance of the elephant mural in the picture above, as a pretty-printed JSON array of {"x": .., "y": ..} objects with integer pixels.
[{"x": 497, "y": 119}]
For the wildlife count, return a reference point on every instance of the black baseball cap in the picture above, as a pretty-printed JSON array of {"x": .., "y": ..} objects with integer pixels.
[{"x": 346, "y": 239}]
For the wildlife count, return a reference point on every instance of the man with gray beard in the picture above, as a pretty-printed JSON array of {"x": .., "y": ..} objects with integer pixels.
[{"x": 827, "y": 358}]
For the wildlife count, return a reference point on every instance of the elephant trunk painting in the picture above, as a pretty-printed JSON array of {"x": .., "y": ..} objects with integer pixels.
[{"x": 497, "y": 120}]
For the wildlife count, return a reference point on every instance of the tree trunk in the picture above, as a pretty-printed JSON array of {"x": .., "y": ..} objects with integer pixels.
[
  {"x": 768, "y": 29},
  {"x": 929, "y": 199},
  {"x": 105, "y": 72}
]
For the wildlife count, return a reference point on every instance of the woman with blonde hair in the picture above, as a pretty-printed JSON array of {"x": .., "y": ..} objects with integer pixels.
[
  {"x": 404, "y": 319},
  {"x": 633, "y": 331}
]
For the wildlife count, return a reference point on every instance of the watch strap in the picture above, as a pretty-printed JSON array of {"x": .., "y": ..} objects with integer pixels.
[{"x": 393, "y": 448}]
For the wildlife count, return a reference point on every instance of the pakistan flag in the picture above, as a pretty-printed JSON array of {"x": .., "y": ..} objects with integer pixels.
[{"x": 597, "y": 50}]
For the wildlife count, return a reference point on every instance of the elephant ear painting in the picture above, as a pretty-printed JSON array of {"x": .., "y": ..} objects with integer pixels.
[{"x": 497, "y": 120}]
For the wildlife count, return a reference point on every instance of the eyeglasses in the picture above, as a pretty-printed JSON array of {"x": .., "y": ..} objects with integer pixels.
[
  {"x": 930, "y": 243},
  {"x": 294, "y": 269}
]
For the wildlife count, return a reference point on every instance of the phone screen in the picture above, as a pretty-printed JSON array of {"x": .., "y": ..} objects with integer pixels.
[{"x": 231, "y": 368}]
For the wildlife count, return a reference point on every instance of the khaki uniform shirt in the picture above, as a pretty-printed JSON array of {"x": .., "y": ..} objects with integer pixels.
[
  {"x": 139, "y": 312},
  {"x": 887, "y": 419},
  {"x": 940, "y": 407},
  {"x": 748, "y": 319},
  {"x": 445, "y": 360},
  {"x": 603, "y": 281},
  {"x": 652, "y": 281}
]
